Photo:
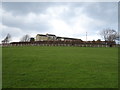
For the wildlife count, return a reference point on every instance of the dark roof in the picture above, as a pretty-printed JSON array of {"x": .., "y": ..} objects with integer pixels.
[
  {"x": 59, "y": 37},
  {"x": 32, "y": 37},
  {"x": 50, "y": 34},
  {"x": 68, "y": 38},
  {"x": 41, "y": 35}
]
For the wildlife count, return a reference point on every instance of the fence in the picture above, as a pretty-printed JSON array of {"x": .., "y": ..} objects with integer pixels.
[{"x": 63, "y": 43}]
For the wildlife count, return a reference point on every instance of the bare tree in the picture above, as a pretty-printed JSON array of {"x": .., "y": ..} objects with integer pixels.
[
  {"x": 7, "y": 39},
  {"x": 109, "y": 34},
  {"x": 25, "y": 38},
  {"x": 118, "y": 36}
]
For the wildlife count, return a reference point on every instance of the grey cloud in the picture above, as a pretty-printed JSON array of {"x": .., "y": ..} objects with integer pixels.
[
  {"x": 119, "y": 16},
  {"x": 21, "y": 8},
  {"x": 26, "y": 26},
  {"x": 105, "y": 12},
  {"x": 19, "y": 22}
]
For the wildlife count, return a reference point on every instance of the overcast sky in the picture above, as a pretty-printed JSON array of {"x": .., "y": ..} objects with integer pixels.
[{"x": 62, "y": 19}]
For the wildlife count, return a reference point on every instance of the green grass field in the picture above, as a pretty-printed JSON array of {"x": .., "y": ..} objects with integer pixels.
[{"x": 59, "y": 67}]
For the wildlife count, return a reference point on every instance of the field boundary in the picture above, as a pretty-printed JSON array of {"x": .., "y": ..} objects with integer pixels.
[
  {"x": 69, "y": 45},
  {"x": 64, "y": 43}
]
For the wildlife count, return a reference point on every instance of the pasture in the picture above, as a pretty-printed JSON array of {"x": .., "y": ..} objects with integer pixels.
[{"x": 59, "y": 67}]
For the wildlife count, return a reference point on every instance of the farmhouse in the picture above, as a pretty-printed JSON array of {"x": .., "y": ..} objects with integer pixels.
[
  {"x": 52, "y": 37},
  {"x": 41, "y": 37}
]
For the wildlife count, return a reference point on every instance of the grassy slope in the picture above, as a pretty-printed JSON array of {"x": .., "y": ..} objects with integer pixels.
[
  {"x": 0, "y": 67},
  {"x": 60, "y": 67}
]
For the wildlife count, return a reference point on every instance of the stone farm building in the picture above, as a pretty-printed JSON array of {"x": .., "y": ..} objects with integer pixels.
[{"x": 52, "y": 37}]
